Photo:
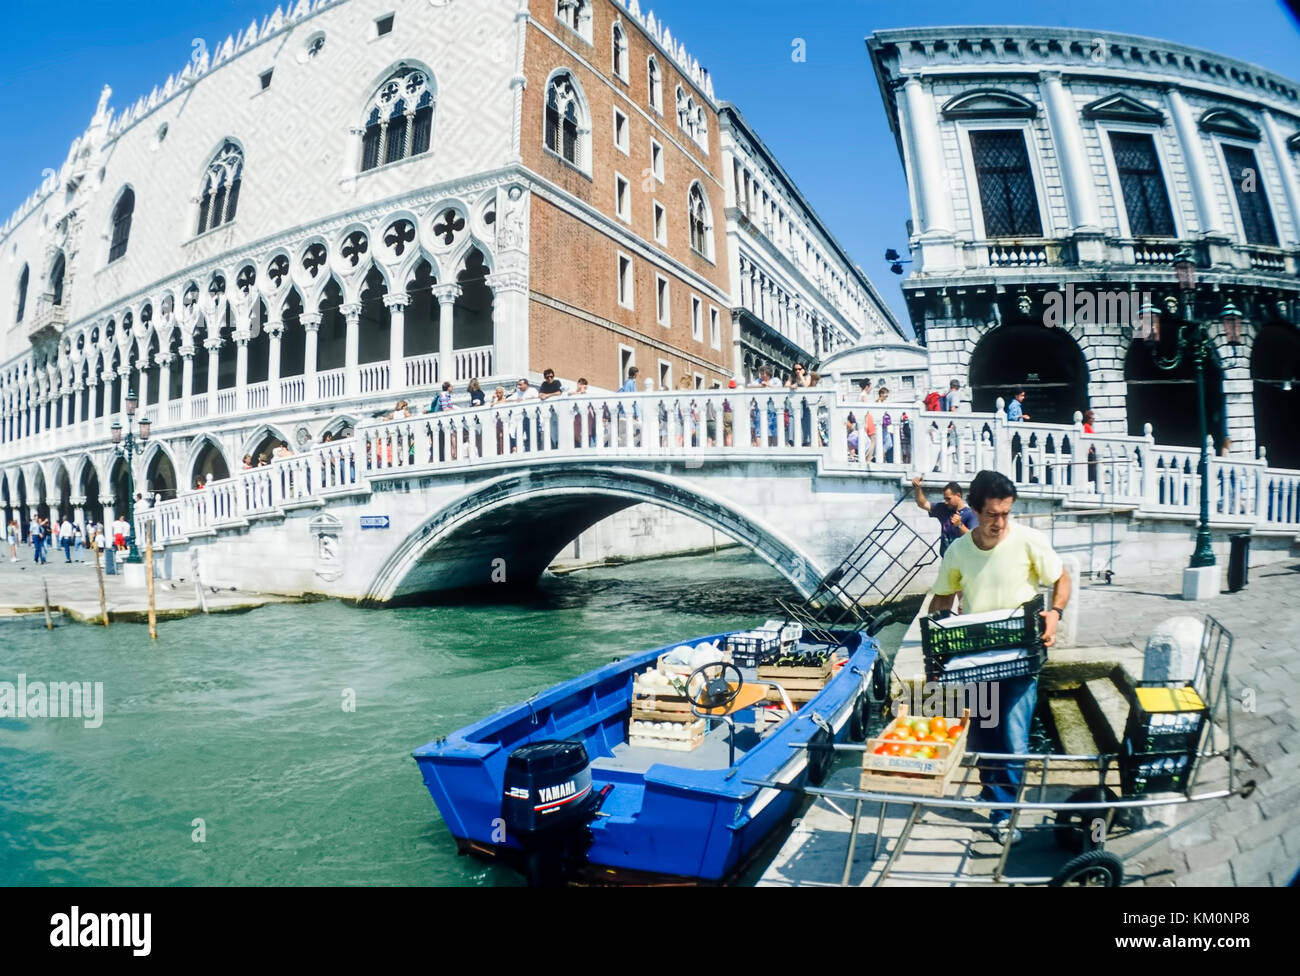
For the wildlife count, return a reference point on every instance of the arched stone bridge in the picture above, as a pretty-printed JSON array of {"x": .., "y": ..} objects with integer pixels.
[{"x": 489, "y": 496}]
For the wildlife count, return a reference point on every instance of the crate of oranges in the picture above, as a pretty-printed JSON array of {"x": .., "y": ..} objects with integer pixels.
[{"x": 915, "y": 755}]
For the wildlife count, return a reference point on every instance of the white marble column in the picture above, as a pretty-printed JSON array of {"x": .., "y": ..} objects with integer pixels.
[
  {"x": 1203, "y": 191},
  {"x": 187, "y": 381},
  {"x": 351, "y": 379},
  {"x": 1289, "y": 166},
  {"x": 311, "y": 328},
  {"x": 124, "y": 387},
  {"x": 78, "y": 511},
  {"x": 446, "y": 294},
  {"x": 396, "y": 303},
  {"x": 106, "y": 502},
  {"x": 1080, "y": 191},
  {"x": 934, "y": 223},
  {"x": 510, "y": 343},
  {"x": 77, "y": 387},
  {"x": 213, "y": 346},
  {"x": 274, "y": 331},
  {"x": 241, "y": 372},
  {"x": 164, "y": 384}
]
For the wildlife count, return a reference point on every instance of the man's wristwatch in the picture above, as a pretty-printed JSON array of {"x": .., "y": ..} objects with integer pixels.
[{"x": 1060, "y": 612}]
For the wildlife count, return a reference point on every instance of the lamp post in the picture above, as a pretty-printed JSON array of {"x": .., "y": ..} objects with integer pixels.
[
  {"x": 1195, "y": 343},
  {"x": 128, "y": 447}
]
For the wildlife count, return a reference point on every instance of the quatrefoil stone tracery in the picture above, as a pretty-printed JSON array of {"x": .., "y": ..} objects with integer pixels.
[{"x": 448, "y": 225}]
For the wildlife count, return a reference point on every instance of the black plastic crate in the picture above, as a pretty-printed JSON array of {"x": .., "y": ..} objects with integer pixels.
[
  {"x": 750, "y": 650},
  {"x": 1142, "y": 773},
  {"x": 1021, "y": 628},
  {"x": 1030, "y": 664},
  {"x": 1176, "y": 728}
]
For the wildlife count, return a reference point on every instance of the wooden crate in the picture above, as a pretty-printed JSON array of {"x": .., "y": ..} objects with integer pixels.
[
  {"x": 802, "y": 685},
  {"x": 914, "y": 776},
  {"x": 684, "y": 736},
  {"x": 912, "y": 784}
]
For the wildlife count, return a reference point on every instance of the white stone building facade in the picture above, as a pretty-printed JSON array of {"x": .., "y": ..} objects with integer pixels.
[
  {"x": 349, "y": 202},
  {"x": 1053, "y": 175},
  {"x": 796, "y": 294}
]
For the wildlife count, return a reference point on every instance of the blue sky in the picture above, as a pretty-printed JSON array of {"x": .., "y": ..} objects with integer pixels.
[{"x": 822, "y": 117}]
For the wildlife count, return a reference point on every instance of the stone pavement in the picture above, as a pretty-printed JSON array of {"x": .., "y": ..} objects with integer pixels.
[
  {"x": 74, "y": 593},
  {"x": 1244, "y": 841}
]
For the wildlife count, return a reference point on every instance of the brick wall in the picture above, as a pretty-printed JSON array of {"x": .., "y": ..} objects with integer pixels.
[{"x": 575, "y": 321}]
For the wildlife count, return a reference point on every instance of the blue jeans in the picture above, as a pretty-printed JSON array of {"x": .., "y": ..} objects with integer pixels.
[{"x": 1017, "y": 698}]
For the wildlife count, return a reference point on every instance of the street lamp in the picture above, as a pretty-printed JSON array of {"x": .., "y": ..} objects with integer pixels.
[
  {"x": 1194, "y": 341},
  {"x": 128, "y": 447}
]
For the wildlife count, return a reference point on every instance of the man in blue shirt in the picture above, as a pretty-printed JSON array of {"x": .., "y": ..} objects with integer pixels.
[
  {"x": 955, "y": 517},
  {"x": 629, "y": 385},
  {"x": 1016, "y": 409}
]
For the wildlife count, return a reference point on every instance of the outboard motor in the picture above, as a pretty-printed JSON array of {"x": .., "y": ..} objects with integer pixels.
[{"x": 548, "y": 805}]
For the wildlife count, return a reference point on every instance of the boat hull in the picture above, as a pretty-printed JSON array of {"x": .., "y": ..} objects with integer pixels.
[{"x": 666, "y": 823}]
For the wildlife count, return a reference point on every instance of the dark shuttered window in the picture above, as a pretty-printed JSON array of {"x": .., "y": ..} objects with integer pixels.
[{"x": 1006, "y": 185}]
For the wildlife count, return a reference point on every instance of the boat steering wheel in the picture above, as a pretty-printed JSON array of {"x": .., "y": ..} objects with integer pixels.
[{"x": 708, "y": 686}]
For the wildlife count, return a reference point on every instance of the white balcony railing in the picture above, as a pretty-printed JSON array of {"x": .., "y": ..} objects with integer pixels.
[
  {"x": 259, "y": 396},
  {"x": 473, "y": 363},
  {"x": 421, "y": 370},
  {"x": 293, "y": 389},
  {"x": 374, "y": 378},
  {"x": 330, "y": 384}
]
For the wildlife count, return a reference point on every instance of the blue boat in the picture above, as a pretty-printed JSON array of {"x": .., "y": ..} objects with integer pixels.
[{"x": 630, "y": 813}]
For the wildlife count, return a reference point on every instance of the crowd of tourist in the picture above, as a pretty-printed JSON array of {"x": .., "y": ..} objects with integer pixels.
[{"x": 73, "y": 538}]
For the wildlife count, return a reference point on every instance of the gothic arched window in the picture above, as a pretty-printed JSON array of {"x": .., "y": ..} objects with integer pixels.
[
  {"x": 399, "y": 119},
  {"x": 221, "y": 188},
  {"x": 121, "y": 224},
  {"x": 575, "y": 15},
  {"x": 655, "y": 85},
  {"x": 620, "y": 52},
  {"x": 698, "y": 219},
  {"x": 56, "y": 279},
  {"x": 568, "y": 132},
  {"x": 22, "y": 294}
]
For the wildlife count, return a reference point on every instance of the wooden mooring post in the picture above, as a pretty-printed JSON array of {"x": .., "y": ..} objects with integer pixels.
[
  {"x": 99, "y": 572},
  {"x": 49, "y": 621},
  {"x": 148, "y": 575}
]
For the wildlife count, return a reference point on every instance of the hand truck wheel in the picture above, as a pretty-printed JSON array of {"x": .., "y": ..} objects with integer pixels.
[
  {"x": 1092, "y": 869},
  {"x": 1075, "y": 828}
]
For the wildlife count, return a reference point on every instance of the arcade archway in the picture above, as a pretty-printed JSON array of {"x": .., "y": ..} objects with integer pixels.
[
  {"x": 1167, "y": 399},
  {"x": 1275, "y": 368},
  {"x": 1045, "y": 362}
]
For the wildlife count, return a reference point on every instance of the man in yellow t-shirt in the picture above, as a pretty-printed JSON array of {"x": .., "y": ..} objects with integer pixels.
[{"x": 999, "y": 566}]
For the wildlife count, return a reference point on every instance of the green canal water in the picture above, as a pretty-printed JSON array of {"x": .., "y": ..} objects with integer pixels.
[{"x": 238, "y": 722}]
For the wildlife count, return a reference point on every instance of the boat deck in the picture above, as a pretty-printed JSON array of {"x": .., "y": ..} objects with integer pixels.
[{"x": 712, "y": 753}]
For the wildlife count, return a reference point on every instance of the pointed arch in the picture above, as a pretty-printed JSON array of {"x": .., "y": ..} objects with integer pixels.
[
  {"x": 567, "y": 127},
  {"x": 219, "y": 193},
  {"x": 618, "y": 53},
  {"x": 206, "y": 457},
  {"x": 699, "y": 216},
  {"x": 262, "y": 440},
  {"x": 123, "y": 211},
  {"x": 159, "y": 467},
  {"x": 340, "y": 425},
  {"x": 397, "y": 120},
  {"x": 654, "y": 84},
  {"x": 24, "y": 279}
]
